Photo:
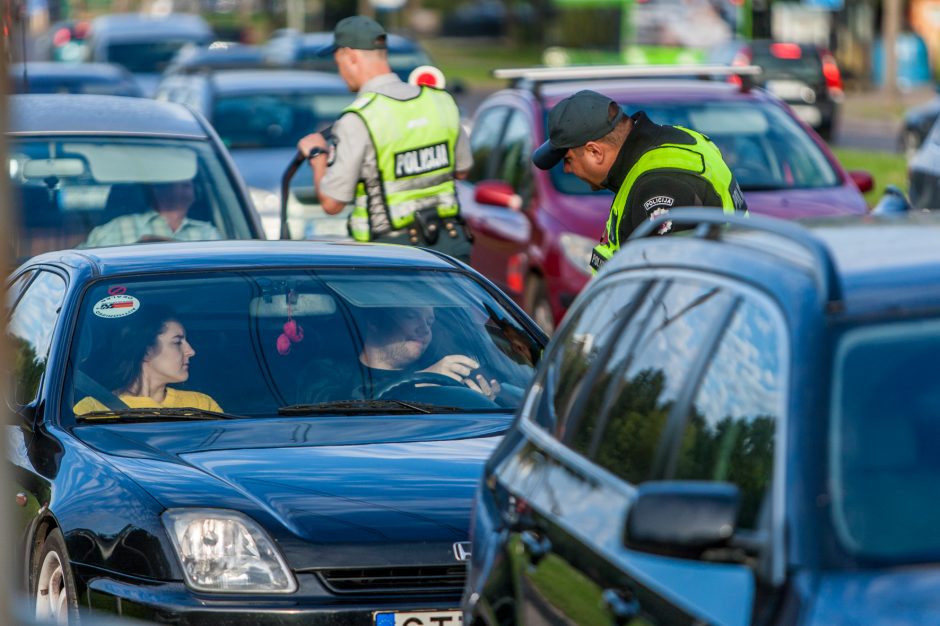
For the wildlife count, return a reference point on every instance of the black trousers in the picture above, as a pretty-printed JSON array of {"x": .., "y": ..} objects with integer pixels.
[{"x": 452, "y": 241}]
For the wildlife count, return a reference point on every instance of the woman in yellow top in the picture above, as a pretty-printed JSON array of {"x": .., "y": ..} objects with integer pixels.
[{"x": 153, "y": 352}]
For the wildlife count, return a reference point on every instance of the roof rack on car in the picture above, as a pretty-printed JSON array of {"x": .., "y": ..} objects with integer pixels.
[
  {"x": 536, "y": 75},
  {"x": 708, "y": 224}
]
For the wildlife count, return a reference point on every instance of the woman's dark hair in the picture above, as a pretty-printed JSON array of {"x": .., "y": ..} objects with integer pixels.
[{"x": 129, "y": 344}]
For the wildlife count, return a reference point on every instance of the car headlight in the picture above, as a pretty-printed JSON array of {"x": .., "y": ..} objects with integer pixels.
[
  {"x": 577, "y": 250},
  {"x": 226, "y": 551}
]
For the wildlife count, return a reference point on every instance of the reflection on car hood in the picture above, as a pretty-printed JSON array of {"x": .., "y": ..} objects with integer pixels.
[
  {"x": 263, "y": 167},
  {"x": 331, "y": 482},
  {"x": 908, "y": 596}
]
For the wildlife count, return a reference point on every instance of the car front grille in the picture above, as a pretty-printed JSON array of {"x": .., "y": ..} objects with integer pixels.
[{"x": 446, "y": 579}]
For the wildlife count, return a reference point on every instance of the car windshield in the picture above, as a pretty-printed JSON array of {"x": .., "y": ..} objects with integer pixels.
[
  {"x": 67, "y": 186},
  {"x": 297, "y": 342},
  {"x": 146, "y": 57},
  {"x": 275, "y": 120},
  {"x": 765, "y": 148},
  {"x": 883, "y": 462}
]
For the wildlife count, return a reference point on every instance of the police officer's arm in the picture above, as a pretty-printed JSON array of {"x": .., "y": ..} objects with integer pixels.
[
  {"x": 318, "y": 163},
  {"x": 654, "y": 194},
  {"x": 336, "y": 177}
]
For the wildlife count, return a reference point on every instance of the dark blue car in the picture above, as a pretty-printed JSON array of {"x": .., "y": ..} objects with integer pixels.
[
  {"x": 738, "y": 426},
  {"x": 255, "y": 432}
]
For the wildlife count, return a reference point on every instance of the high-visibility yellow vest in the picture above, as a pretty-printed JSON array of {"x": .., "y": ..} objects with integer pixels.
[
  {"x": 414, "y": 143},
  {"x": 701, "y": 158}
]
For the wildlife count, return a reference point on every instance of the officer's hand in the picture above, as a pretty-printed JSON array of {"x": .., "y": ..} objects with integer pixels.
[
  {"x": 311, "y": 141},
  {"x": 456, "y": 366}
]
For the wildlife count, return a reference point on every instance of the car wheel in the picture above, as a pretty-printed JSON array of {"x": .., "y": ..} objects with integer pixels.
[
  {"x": 538, "y": 306},
  {"x": 54, "y": 593}
]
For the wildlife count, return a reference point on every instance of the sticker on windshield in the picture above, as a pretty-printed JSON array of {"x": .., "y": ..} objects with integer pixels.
[{"x": 118, "y": 305}]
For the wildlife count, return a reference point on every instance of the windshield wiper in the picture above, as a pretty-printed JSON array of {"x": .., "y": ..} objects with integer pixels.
[
  {"x": 144, "y": 414},
  {"x": 352, "y": 407}
]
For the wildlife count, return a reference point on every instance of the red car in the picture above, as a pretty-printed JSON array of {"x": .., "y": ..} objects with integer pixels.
[{"x": 534, "y": 230}]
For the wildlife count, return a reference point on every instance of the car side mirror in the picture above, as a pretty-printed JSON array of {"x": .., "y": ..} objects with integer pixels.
[
  {"x": 497, "y": 193},
  {"x": 682, "y": 518},
  {"x": 863, "y": 180}
]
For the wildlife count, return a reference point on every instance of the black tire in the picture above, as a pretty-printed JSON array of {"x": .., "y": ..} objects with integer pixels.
[
  {"x": 52, "y": 585},
  {"x": 538, "y": 306}
]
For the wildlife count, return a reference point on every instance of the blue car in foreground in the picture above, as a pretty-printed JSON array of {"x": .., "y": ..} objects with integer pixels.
[
  {"x": 738, "y": 426},
  {"x": 255, "y": 432}
]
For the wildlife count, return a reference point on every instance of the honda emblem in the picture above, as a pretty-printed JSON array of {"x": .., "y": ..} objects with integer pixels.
[{"x": 462, "y": 550}]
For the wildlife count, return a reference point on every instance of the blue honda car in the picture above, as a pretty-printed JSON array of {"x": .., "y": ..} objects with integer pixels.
[
  {"x": 734, "y": 427},
  {"x": 255, "y": 432}
]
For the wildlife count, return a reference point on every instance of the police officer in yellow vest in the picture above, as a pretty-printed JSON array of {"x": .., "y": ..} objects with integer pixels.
[
  {"x": 650, "y": 168},
  {"x": 395, "y": 152}
]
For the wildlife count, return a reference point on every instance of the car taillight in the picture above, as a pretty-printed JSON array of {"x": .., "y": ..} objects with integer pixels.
[
  {"x": 789, "y": 51},
  {"x": 832, "y": 74}
]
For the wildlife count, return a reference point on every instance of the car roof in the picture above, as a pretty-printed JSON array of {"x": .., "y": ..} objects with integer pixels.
[
  {"x": 142, "y": 26},
  {"x": 266, "y": 80},
  {"x": 45, "y": 114},
  {"x": 882, "y": 265},
  {"x": 243, "y": 254},
  {"x": 47, "y": 69},
  {"x": 651, "y": 90}
]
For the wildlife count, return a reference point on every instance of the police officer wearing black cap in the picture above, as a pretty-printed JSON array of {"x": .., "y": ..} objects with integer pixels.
[
  {"x": 396, "y": 150},
  {"x": 650, "y": 168}
]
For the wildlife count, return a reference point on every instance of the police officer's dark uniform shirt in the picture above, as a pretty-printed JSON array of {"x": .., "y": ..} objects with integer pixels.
[{"x": 657, "y": 191}]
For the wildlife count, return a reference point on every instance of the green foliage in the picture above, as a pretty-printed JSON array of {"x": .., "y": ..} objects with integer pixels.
[{"x": 887, "y": 168}]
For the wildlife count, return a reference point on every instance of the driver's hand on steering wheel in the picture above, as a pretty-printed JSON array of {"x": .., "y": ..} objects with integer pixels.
[{"x": 459, "y": 367}]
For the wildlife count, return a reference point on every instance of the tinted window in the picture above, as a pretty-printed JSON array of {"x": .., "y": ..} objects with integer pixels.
[
  {"x": 587, "y": 337},
  {"x": 765, "y": 148},
  {"x": 648, "y": 371},
  {"x": 883, "y": 441},
  {"x": 274, "y": 120},
  {"x": 516, "y": 153},
  {"x": 730, "y": 432},
  {"x": 487, "y": 130},
  {"x": 30, "y": 333}
]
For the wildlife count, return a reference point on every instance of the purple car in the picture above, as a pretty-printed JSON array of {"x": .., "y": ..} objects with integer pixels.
[{"x": 535, "y": 230}]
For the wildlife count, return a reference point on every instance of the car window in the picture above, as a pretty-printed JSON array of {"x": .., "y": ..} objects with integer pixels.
[
  {"x": 515, "y": 165},
  {"x": 65, "y": 187},
  {"x": 29, "y": 333},
  {"x": 648, "y": 371},
  {"x": 487, "y": 130},
  {"x": 15, "y": 288},
  {"x": 731, "y": 429},
  {"x": 265, "y": 340},
  {"x": 882, "y": 441},
  {"x": 274, "y": 120},
  {"x": 146, "y": 56},
  {"x": 587, "y": 337},
  {"x": 765, "y": 148}
]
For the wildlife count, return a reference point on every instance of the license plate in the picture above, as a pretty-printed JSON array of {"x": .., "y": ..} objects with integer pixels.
[
  {"x": 786, "y": 89},
  {"x": 418, "y": 618}
]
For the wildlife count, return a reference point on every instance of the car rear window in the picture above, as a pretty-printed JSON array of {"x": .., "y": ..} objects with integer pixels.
[
  {"x": 274, "y": 120},
  {"x": 766, "y": 149},
  {"x": 788, "y": 61}
]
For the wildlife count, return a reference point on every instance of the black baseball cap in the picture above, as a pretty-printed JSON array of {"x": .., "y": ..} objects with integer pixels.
[
  {"x": 359, "y": 32},
  {"x": 573, "y": 122}
]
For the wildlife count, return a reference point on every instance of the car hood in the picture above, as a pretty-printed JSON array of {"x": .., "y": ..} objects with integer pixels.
[
  {"x": 397, "y": 489},
  {"x": 263, "y": 168},
  {"x": 581, "y": 214},
  {"x": 799, "y": 203},
  {"x": 908, "y": 596}
]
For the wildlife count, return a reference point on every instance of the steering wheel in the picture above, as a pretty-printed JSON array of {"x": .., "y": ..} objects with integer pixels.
[{"x": 418, "y": 378}]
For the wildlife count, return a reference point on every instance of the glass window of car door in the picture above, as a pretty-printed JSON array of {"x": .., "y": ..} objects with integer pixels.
[
  {"x": 730, "y": 430},
  {"x": 29, "y": 334},
  {"x": 487, "y": 129},
  {"x": 515, "y": 153},
  {"x": 644, "y": 375},
  {"x": 586, "y": 337}
]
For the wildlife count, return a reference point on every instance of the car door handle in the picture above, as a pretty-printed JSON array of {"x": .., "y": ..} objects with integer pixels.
[
  {"x": 535, "y": 546},
  {"x": 624, "y": 605}
]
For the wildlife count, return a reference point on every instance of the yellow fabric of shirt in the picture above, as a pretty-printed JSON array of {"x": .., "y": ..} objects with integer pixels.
[{"x": 175, "y": 399}]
